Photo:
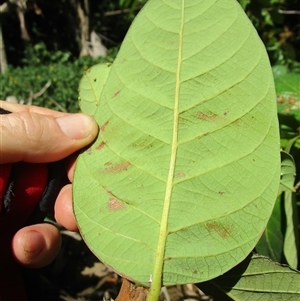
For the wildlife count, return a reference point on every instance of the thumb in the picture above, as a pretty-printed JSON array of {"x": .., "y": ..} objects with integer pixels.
[{"x": 33, "y": 137}]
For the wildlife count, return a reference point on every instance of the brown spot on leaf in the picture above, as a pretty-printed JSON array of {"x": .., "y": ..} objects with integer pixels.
[
  {"x": 195, "y": 272},
  {"x": 207, "y": 116},
  {"x": 110, "y": 192},
  {"x": 218, "y": 228},
  {"x": 103, "y": 126},
  {"x": 117, "y": 167},
  {"x": 143, "y": 143},
  {"x": 117, "y": 93},
  {"x": 180, "y": 175},
  {"x": 100, "y": 146},
  {"x": 221, "y": 192},
  {"x": 114, "y": 204},
  {"x": 181, "y": 120}
]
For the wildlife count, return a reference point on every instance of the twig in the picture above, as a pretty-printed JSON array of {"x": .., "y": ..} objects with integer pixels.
[
  {"x": 120, "y": 11},
  {"x": 165, "y": 292},
  {"x": 59, "y": 106},
  {"x": 289, "y": 12},
  {"x": 42, "y": 91},
  {"x": 33, "y": 96},
  {"x": 117, "y": 12},
  {"x": 4, "y": 8},
  {"x": 106, "y": 39},
  {"x": 297, "y": 186}
]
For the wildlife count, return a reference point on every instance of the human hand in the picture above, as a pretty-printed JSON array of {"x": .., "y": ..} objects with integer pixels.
[{"x": 37, "y": 135}]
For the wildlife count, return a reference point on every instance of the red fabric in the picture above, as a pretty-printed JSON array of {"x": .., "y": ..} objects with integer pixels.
[{"x": 29, "y": 184}]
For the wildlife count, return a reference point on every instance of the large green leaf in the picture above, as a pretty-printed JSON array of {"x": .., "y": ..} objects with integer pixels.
[
  {"x": 181, "y": 181},
  {"x": 257, "y": 278}
]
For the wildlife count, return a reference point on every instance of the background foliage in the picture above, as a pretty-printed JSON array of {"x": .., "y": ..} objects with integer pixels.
[
  {"x": 54, "y": 43},
  {"x": 46, "y": 70}
]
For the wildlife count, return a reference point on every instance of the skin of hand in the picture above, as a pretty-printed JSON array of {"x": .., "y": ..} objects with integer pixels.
[{"x": 38, "y": 135}]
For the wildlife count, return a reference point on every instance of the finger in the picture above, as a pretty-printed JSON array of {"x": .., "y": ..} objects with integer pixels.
[
  {"x": 32, "y": 137},
  {"x": 64, "y": 209},
  {"x": 36, "y": 246},
  {"x": 14, "y": 107},
  {"x": 70, "y": 165}
]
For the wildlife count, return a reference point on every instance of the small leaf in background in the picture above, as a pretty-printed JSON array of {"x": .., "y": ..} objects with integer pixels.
[
  {"x": 288, "y": 172},
  {"x": 181, "y": 181},
  {"x": 279, "y": 239},
  {"x": 291, "y": 237},
  {"x": 257, "y": 279},
  {"x": 94, "y": 77}
]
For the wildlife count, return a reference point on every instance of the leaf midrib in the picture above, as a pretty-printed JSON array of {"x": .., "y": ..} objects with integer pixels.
[{"x": 163, "y": 231}]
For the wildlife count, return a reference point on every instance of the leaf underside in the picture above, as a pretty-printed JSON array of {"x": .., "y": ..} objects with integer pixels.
[
  {"x": 185, "y": 171},
  {"x": 288, "y": 172}
]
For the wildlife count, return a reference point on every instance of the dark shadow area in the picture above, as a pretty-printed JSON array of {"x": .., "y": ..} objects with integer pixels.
[{"x": 220, "y": 286}]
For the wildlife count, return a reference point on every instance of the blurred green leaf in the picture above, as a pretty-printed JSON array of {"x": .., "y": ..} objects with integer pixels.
[
  {"x": 271, "y": 242},
  {"x": 288, "y": 85},
  {"x": 244, "y": 3},
  {"x": 279, "y": 70},
  {"x": 288, "y": 102},
  {"x": 257, "y": 279},
  {"x": 288, "y": 93}
]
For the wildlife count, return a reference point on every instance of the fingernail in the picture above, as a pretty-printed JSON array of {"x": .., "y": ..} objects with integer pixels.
[
  {"x": 76, "y": 126},
  {"x": 33, "y": 243}
]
